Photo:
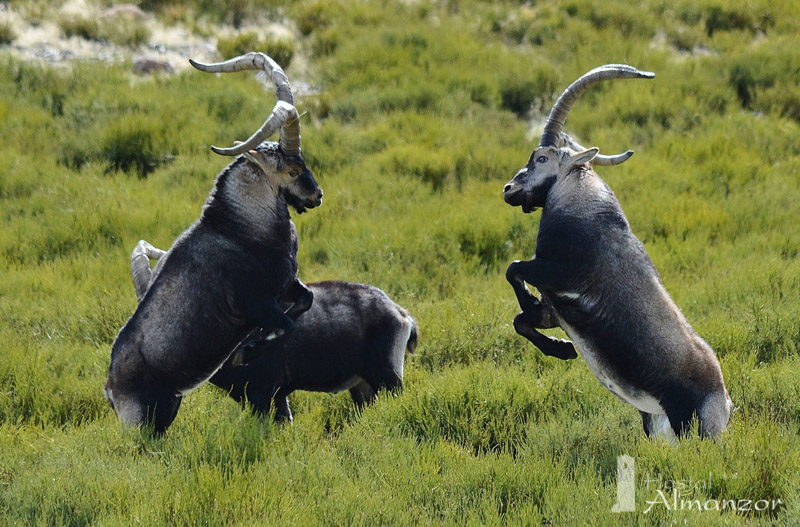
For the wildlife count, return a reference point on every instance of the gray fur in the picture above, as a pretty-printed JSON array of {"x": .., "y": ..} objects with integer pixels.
[
  {"x": 597, "y": 283},
  {"x": 218, "y": 282},
  {"x": 354, "y": 337}
]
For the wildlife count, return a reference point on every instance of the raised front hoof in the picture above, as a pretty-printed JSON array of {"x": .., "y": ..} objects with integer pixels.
[
  {"x": 560, "y": 349},
  {"x": 526, "y": 323}
]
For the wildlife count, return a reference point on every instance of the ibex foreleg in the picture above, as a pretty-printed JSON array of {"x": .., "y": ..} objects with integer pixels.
[
  {"x": 536, "y": 315},
  {"x": 299, "y": 299}
]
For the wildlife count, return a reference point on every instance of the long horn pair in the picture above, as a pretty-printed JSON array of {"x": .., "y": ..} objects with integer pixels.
[
  {"x": 558, "y": 115},
  {"x": 284, "y": 116}
]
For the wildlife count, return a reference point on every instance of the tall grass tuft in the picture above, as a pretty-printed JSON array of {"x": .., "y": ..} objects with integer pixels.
[{"x": 7, "y": 32}]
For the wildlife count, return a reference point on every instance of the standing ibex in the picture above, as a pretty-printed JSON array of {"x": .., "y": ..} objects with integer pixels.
[
  {"x": 354, "y": 337},
  {"x": 222, "y": 277},
  {"x": 599, "y": 285}
]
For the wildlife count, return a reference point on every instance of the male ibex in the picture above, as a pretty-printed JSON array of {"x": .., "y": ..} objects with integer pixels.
[
  {"x": 222, "y": 277},
  {"x": 354, "y": 337},
  {"x": 599, "y": 285}
]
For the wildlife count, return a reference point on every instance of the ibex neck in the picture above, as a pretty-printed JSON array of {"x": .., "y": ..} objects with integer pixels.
[{"x": 247, "y": 210}]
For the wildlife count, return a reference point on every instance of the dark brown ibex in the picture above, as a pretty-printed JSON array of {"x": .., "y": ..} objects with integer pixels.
[
  {"x": 597, "y": 283},
  {"x": 222, "y": 277}
]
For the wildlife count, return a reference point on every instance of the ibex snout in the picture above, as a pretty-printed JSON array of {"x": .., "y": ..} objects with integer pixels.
[{"x": 304, "y": 193}]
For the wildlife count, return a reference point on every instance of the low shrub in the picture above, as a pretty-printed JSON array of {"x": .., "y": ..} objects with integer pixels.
[
  {"x": 281, "y": 50},
  {"x": 132, "y": 143},
  {"x": 79, "y": 26},
  {"x": 7, "y": 32},
  {"x": 124, "y": 32}
]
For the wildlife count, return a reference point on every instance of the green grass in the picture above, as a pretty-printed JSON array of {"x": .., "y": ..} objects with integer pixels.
[{"x": 421, "y": 115}]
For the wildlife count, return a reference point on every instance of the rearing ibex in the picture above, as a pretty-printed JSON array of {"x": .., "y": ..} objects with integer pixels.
[
  {"x": 222, "y": 277},
  {"x": 599, "y": 285}
]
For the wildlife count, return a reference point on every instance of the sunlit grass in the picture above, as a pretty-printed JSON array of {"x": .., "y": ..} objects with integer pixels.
[{"x": 422, "y": 112}]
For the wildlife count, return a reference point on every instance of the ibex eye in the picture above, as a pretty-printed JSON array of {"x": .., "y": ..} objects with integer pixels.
[
  {"x": 541, "y": 159},
  {"x": 294, "y": 173}
]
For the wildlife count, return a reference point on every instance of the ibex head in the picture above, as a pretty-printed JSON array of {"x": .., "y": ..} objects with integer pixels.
[
  {"x": 557, "y": 152},
  {"x": 281, "y": 163}
]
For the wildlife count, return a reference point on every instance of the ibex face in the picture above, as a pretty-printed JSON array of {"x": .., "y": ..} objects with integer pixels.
[
  {"x": 532, "y": 184},
  {"x": 288, "y": 175},
  {"x": 281, "y": 163}
]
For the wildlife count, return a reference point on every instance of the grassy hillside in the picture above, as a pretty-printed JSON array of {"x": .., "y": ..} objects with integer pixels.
[{"x": 418, "y": 113}]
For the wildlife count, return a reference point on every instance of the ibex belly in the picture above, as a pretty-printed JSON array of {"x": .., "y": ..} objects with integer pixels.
[{"x": 610, "y": 379}]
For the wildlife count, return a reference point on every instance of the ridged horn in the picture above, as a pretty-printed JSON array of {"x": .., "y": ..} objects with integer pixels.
[
  {"x": 284, "y": 116},
  {"x": 558, "y": 115},
  {"x": 140, "y": 266}
]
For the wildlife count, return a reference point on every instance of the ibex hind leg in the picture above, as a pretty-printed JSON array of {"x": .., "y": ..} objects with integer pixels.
[
  {"x": 657, "y": 426},
  {"x": 714, "y": 414},
  {"x": 681, "y": 413},
  {"x": 384, "y": 379},
  {"x": 362, "y": 394},
  {"x": 283, "y": 413},
  {"x": 684, "y": 404}
]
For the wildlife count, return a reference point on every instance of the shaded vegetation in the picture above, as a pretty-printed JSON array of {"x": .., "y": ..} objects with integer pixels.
[{"x": 420, "y": 112}]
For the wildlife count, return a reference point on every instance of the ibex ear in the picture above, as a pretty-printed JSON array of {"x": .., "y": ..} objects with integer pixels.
[
  {"x": 582, "y": 157},
  {"x": 252, "y": 156}
]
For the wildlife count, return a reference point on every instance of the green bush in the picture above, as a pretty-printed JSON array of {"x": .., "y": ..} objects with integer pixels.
[
  {"x": 722, "y": 18},
  {"x": 132, "y": 33},
  {"x": 7, "y": 32},
  {"x": 315, "y": 15},
  {"x": 122, "y": 31},
  {"x": 432, "y": 167},
  {"x": 80, "y": 26},
  {"x": 519, "y": 94},
  {"x": 281, "y": 50},
  {"x": 133, "y": 143}
]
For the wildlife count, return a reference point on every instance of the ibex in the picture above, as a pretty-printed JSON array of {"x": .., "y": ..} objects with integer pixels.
[
  {"x": 354, "y": 337},
  {"x": 598, "y": 284},
  {"x": 222, "y": 277}
]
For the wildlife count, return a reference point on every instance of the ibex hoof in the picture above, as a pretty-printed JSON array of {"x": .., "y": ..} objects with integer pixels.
[
  {"x": 561, "y": 349},
  {"x": 523, "y": 324}
]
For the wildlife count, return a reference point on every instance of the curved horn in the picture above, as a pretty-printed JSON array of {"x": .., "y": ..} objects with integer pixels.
[
  {"x": 284, "y": 116},
  {"x": 599, "y": 159},
  {"x": 140, "y": 266},
  {"x": 555, "y": 123}
]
